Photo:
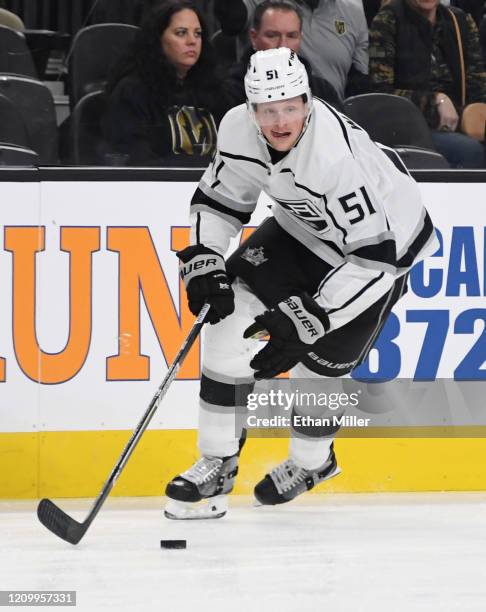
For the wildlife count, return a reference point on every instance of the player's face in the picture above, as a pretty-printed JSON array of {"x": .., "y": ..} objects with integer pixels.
[
  {"x": 277, "y": 29},
  {"x": 181, "y": 41},
  {"x": 282, "y": 122}
]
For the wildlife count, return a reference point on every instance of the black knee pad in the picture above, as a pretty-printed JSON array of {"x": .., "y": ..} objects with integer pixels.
[
  {"x": 224, "y": 394},
  {"x": 313, "y": 430}
]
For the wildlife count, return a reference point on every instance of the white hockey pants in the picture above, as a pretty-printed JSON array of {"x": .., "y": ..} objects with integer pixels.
[{"x": 226, "y": 368}]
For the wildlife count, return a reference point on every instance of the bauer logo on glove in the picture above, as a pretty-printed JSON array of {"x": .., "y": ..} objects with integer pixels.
[
  {"x": 196, "y": 265},
  {"x": 308, "y": 326},
  {"x": 204, "y": 274},
  {"x": 294, "y": 326}
]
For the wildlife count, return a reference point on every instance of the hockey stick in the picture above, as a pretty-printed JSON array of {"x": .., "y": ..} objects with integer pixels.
[{"x": 67, "y": 528}]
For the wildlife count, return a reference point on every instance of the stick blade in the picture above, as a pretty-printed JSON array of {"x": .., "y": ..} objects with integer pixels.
[{"x": 60, "y": 523}]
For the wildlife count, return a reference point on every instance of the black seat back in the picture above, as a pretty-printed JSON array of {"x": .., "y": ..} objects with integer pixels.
[
  {"x": 35, "y": 104},
  {"x": 12, "y": 127},
  {"x": 15, "y": 57},
  {"x": 86, "y": 139},
  {"x": 391, "y": 120},
  {"x": 422, "y": 159},
  {"x": 14, "y": 155},
  {"x": 94, "y": 52}
]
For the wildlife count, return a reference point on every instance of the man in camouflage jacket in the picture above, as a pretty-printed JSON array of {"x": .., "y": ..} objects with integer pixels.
[{"x": 414, "y": 53}]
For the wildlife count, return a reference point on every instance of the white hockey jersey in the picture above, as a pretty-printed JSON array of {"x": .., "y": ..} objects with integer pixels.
[{"x": 336, "y": 192}]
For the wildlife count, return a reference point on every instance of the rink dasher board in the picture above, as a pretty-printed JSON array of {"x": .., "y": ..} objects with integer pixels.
[
  {"x": 82, "y": 389},
  {"x": 97, "y": 370}
]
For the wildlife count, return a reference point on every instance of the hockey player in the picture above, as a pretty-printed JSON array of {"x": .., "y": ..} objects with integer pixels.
[{"x": 320, "y": 275}]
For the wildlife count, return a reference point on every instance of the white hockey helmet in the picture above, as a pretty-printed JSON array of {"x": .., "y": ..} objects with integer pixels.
[{"x": 275, "y": 74}]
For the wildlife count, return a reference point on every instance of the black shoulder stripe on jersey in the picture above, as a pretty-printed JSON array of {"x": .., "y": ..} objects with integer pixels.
[
  {"x": 313, "y": 193},
  {"x": 384, "y": 252},
  {"x": 244, "y": 158},
  {"x": 357, "y": 295},
  {"x": 340, "y": 121},
  {"x": 200, "y": 197},
  {"x": 418, "y": 244},
  {"x": 333, "y": 219},
  {"x": 394, "y": 157}
]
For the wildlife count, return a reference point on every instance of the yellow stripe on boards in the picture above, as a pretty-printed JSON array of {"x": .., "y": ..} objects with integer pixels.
[
  {"x": 19, "y": 465},
  {"x": 76, "y": 463}
]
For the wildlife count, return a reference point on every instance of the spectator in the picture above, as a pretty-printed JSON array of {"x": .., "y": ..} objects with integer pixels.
[
  {"x": 163, "y": 101},
  {"x": 276, "y": 23},
  {"x": 334, "y": 38},
  {"x": 414, "y": 53}
]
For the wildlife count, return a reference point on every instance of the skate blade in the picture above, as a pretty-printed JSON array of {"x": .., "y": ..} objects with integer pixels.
[
  {"x": 211, "y": 508},
  {"x": 335, "y": 472},
  {"x": 332, "y": 474}
]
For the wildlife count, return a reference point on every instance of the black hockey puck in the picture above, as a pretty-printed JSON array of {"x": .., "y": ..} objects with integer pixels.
[{"x": 173, "y": 543}]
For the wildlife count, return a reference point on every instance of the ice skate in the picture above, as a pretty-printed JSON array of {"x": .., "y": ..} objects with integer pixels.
[
  {"x": 288, "y": 480},
  {"x": 201, "y": 491}
]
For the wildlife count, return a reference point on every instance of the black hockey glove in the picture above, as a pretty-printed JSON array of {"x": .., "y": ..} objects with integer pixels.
[
  {"x": 295, "y": 325},
  {"x": 204, "y": 274}
]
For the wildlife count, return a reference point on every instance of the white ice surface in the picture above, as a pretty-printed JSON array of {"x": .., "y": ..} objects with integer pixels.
[{"x": 386, "y": 552}]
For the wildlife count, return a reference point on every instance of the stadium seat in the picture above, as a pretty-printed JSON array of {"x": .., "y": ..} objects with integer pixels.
[
  {"x": 95, "y": 50},
  {"x": 422, "y": 159},
  {"x": 12, "y": 127},
  {"x": 34, "y": 102},
  {"x": 14, "y": 155},
  {"x": 15, "y": 57},
  {"x": 396, "y": 122},
  {"x": 41, "y": 44},
  {"x": 86, "y": 139},
  {"x": 391, "y": 120}
]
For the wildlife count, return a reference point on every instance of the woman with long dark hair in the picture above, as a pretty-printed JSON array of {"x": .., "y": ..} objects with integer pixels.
[{"x": 163, "y": 102}]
